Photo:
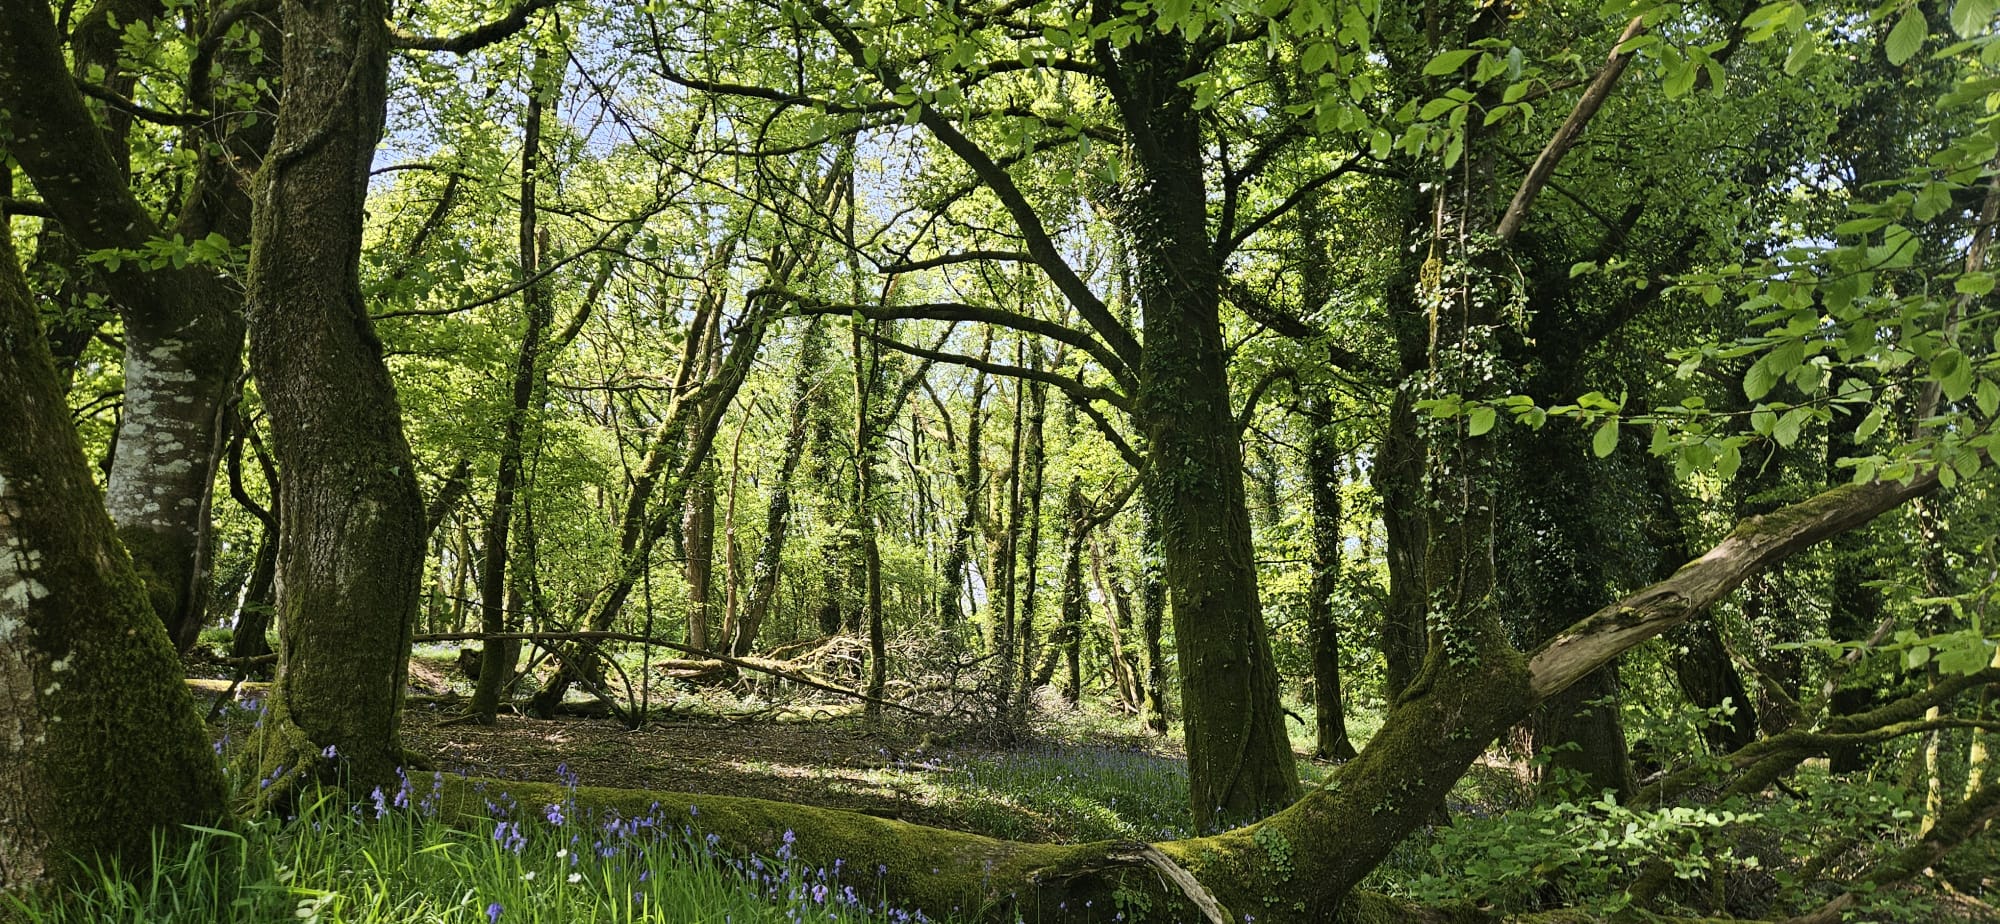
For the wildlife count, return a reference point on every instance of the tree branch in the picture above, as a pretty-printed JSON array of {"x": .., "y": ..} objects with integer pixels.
[
  {"x": 968, "y": 256},
  {"x": 958, "y": 311},
  {"x": 497, "y": 30},
  {"x": 1566, "y": 135},
  {"x": 1069, "y": 385},
  {"x": 1040, "y": 245},
  {"x": 1755, "y": 544}
]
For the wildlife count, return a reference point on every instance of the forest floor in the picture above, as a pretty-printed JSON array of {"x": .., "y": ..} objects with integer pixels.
[{"x": 1073, "y": 776}]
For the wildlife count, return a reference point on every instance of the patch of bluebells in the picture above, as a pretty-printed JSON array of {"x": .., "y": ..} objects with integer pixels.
[{"x": 621, "y": 842}]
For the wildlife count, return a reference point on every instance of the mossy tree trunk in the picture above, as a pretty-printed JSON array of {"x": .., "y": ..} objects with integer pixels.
[
  {"x": 100, "y": 746},
  {"x": 352, "y": 533},
  {"x": 1035, "y": 464},
  {"x": 1323, "y": 470},
  {"x": 1240, "y": 762},
  {"x": 182, "y": 326},
  {"x": 1153, "y": 617},
  {"x": 971, "y": 486}
]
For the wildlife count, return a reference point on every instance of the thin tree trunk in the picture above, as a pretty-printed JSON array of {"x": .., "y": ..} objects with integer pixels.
[
  {"x": 698, "y": 544},
  {"x": 1034, "y": 458},
  {"x": 1117, "y": 621},
  {"x": 972, "y": 489},
  {"x": 1153, "y": 617},
  {"x": 494, "y": 667},
  {"x": 765, "y": 572},
  {"x": 1323, "y": 471}
]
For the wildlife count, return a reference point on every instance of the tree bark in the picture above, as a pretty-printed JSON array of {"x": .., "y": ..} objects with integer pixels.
[
  {"x": 352, "y": 534},
  {"x": 1034, "y": 459},
  {"x": 1240, "y": 764},
  {"x": 101, "y": 750},
  {"x": 1323, "y": 470},
  {"x": 183, "y": 329},
  {"x": 971, "y": 486},
  {"x": 764, "y": 573},
  {"x": 496, "y": 662}
]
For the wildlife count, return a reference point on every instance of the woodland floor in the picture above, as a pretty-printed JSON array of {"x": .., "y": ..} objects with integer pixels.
[{"x": 813, "y": 753}]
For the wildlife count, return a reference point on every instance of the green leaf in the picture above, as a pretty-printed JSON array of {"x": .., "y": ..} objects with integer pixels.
[
  {"x": 1987, "y": 397},
  {"x": 1758, "y": 381},
  {"x": 1868, "y": 425},
  {"x": 1728, "y": 462},
  {"x": 1480, "y": 420},
  {"x": 1964, "y": 654},
  {"x": 1449, "y": 61},
  {"x": 1971, "y": 17},
  {"x": 1953, "y": 373},
  {"x": 1786, "y": 432},
  {"x": 1907, "y": 36},
  {"x": 1606, "y": 440},
  {"x": 1801, "y": 54},
  {"x": 1974, "y": 284}
]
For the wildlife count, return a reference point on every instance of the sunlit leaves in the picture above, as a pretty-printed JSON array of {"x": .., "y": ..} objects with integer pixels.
[{"x": 1907, "y": 36}]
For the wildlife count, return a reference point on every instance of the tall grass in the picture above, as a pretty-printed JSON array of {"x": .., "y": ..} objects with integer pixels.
[{"x": 389, "y": 859}]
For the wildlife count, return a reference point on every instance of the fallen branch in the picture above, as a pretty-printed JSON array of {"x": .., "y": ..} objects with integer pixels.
[{"x": 776, "y": 670}]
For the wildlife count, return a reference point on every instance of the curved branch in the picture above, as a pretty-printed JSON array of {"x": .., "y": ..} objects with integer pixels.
[
  {"x": 958, "y": 311},
  {"x": 497, "y": 30},
  {"x": 1070, "y": 386},
  {"x": 1756, "y": 544}
]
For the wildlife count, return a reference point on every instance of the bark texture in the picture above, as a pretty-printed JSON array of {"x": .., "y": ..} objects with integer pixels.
[
  {"x": 352, "y": 536},
  {"x": 183, "y": 330},
  {"x": 100, "y": 745},
  {"x": 1240, "y": 763}
]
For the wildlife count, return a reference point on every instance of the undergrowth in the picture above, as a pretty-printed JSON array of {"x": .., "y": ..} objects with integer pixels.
[{"x": 389, "y": 859}]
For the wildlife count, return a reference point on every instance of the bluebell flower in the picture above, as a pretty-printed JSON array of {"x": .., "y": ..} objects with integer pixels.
[{"x": 493, "y": 913}]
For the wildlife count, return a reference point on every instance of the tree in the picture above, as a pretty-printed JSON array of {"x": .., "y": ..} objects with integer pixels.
[
  {"x": 100, "y": 747},
  {"x": 352, "y": 534},
  {"x": 182, "y": 323}
]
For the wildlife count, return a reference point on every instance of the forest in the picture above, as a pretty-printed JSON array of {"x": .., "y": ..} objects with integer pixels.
[{"x": 999, "y": 460}]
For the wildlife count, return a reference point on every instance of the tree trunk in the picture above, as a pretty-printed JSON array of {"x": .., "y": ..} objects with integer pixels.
[
  {"x": 1153, "y": 617},
  {"x": 971, "y": 487},
  {"x": 1117, "y": 621},
  {"x": 764, "y": 573},
  {"x": 1323, "y": 470},
  {"x": 183, "y": 329},
  {"x": 351, "y": 551},
  {"x": 495, "y": 667},
  {"x": 1240, "y": 763},
  {"x": 698, "y": 544},
  {"x": 868, "y": 392},
  {"x": 101, "y": 750},
  {"x": 1034, "y": 458}
]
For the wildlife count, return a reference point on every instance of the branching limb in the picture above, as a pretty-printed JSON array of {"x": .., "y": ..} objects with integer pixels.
[{"x": 495, "y": 31}]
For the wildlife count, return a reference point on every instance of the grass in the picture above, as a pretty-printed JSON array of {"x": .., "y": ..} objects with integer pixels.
[{"x": 388, "y": 860}]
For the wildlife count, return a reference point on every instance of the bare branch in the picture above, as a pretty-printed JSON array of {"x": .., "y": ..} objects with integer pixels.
[
  {"x": 968, "y": 256},
  {"x": 1756, "y": 544},
  {"x": 1072, "y": 387},
  {"x": 957, "y": 311},
  {"x": 1566, "y": 135}
]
